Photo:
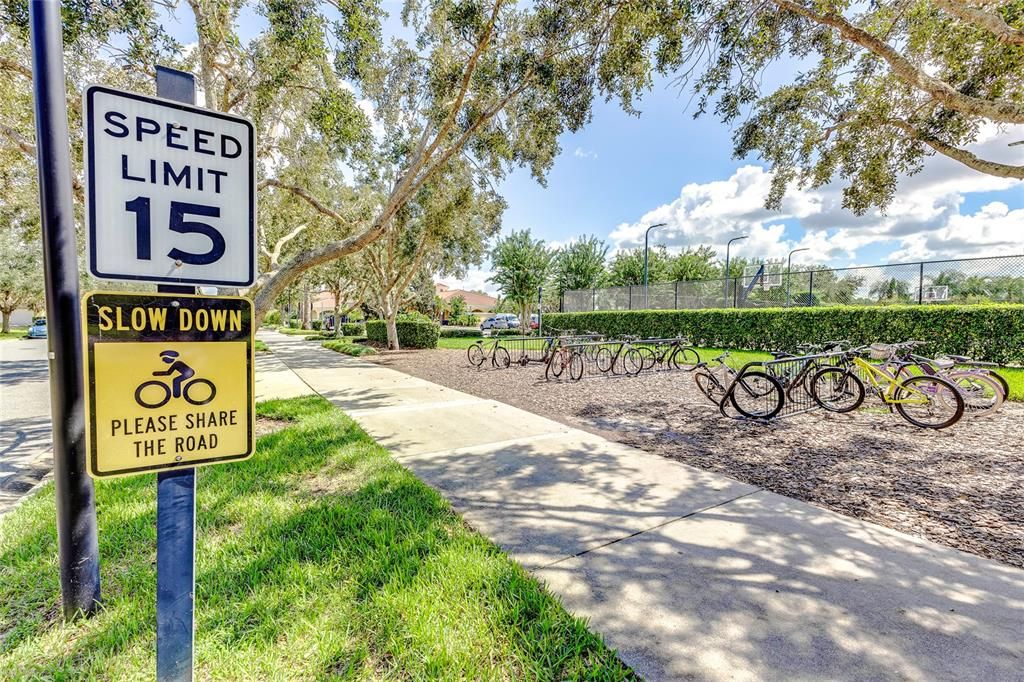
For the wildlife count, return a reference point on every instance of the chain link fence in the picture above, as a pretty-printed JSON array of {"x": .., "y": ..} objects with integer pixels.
[{"x": 973, "y": 280}]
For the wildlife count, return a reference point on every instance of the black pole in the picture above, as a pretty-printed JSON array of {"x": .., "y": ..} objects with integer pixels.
[
  {"x": 175, "y": 504},
  {"x": 78, "y": 548}
]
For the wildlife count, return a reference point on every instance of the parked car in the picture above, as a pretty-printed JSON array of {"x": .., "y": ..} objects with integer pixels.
[
  {"x": 501, "y": 321},
  {"x": 38, "y": 328}
]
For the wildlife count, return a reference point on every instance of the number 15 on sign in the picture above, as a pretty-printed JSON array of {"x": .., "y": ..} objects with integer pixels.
[{"x": 171, "y": 191}]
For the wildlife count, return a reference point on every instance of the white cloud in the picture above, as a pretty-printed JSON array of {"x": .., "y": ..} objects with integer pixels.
[
  {"x": 581, "y": 153},
  {"x": 924, "y": 219}
]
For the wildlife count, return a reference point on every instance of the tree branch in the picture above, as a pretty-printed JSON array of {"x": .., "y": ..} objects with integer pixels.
[
  {"x": 991, "y": 22},
  {"x": 995, "y": 110},
  {"x": 965, "y": 157},
  {"x": 305, "y": 196}
]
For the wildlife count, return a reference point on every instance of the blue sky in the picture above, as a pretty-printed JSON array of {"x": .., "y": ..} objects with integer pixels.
[{"x": 623, "y": 172}]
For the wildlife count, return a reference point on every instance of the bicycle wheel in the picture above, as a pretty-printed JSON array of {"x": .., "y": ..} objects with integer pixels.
[
  {"x": 683, "y": 356},
  {"x": 1000, "y": 380},
  {"x": 576, "y": 367},
  {"x": 647, "y": 356},
  {"x": 928, "y": 402},
  {"x": 757, "y": 395},
  {"x": 709, "y": 385},
  {"x": 164, "y": 394},
  {"x": 981, "y": 393},
  {"x": 837, "y": 390},
  {"x": 605, "y": 359},
  {"x": 475, "y": 354},
  {"x": 633, "y": 362},
  {"x": 556, "y": 365},
  {"x": 186, "y": 391},
  {"x": 501, "y": 359}
]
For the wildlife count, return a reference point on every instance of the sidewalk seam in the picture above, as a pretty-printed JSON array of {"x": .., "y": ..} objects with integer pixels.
[{"x": 647, "y": 530}]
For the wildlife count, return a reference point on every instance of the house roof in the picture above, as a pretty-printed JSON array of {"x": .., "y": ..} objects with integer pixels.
[{"x": 475, "y": 300}]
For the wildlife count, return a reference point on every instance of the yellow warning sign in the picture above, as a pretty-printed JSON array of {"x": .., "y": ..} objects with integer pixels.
[{"x": 169, "y": 381}]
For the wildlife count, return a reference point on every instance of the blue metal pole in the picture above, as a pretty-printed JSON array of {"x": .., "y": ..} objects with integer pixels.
[
  {"x": 175, "y": 505},
  {"x": 77, "y": 542}
]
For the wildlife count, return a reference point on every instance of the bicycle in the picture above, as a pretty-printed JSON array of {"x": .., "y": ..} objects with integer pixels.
[
  {"x": 632, "y": 360},
  {"x": 760, "y": 395},
  {"x": 669, "y": 353},
  {"x": 925, "y": 401},
  {"x": 981, "y": 389},
  {"x": 562, "y": 358},
  {"x": 808, "y": 359},
  {"x": 167, "y": 393},
  {"x": 500, "y": 359}
]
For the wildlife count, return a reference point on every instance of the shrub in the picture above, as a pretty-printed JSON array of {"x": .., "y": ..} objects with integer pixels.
[
  {"x": 347, "y": 348},
  {"x": 272, "y": 318},
  {"x": 449, "y": 333},
  {"x": 294, "y": 323},
  {"x": 411, "y": 334},
  {"x": 353, "y": 329},
  {"x": 316, "y": 325},
  {"x": 413, "y": 316},
  {"x": 986, "y": 332}
]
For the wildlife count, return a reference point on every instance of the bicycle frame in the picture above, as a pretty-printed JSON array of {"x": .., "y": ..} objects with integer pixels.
[{"x": 888, "y": 384}]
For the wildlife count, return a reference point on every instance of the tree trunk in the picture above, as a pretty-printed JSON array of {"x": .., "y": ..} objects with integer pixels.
[
  {"x": 7, "y": 321},
  {"x": 337, "y": 314},
  {"x": 392, "y": 325}
]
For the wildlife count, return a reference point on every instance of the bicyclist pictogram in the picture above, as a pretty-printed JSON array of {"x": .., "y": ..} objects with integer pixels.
[{"x": 154, "y": 394}]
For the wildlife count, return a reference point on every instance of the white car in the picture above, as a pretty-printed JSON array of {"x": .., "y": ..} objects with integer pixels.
[{"x": 501, "y": 321}]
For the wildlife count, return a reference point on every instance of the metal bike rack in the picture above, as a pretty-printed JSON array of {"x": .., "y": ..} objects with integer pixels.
[{"x": 790, "y": 373}]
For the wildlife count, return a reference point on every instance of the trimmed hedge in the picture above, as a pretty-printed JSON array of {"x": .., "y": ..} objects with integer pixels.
[
  {"x": 353, "y": 329},
  {"x": 449, "y": 333},
  {"x": 985, "y": 332},
  {"x": 411, "y": 334},
  {"x": 347, "y": 348}
]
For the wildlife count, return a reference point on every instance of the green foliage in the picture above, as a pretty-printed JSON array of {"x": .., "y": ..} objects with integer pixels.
[
  {"x": 352, "y": 329},
  {"x": 315, "y": 325},
  {"x": 411, "y": 333},
  {"x": 294, "y": 323},
  {"x": 694, "y": 264},
  {"x": 457, "y": 307},
  {"x": 348, "y": 348},
  {"x": 877, "y": 87},
  {"x": 449, "y": 333},
  {"x": 986, "y": 332},
  {"x": 272, "y": 318},
  {"x": 580, "y": 265},
  {"x": 627, "y": 267},
  {"x": 521, "y": 266}
]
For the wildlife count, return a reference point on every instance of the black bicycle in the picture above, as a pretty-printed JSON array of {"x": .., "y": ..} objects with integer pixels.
[{"x": 754, "y": 394}]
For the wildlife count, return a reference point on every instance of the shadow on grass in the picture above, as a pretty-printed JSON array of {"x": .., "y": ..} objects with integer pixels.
[{"x": 319, "y": 557}]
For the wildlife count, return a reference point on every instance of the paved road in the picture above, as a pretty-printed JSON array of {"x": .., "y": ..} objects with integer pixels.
[
  {"x": 687, "y": 573},
  {"x": 25, "y": 435}
]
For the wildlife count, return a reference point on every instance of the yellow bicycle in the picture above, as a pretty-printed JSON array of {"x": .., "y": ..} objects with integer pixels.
[{"x": 929, "y": 402}]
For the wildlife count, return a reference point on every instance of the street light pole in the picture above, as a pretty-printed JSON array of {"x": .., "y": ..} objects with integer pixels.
[
  {"x": 789, "y": 264},
  {"x": 725, "y": 293},
  {"x": 646, "y": 235},
  {"x": 77, "y": 542}
]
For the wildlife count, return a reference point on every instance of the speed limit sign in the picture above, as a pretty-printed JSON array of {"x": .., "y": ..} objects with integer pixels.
[{"x": 171, "y": 191}]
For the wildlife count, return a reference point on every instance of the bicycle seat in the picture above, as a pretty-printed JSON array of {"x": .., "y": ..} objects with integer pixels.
[
  {"x": 959, "y": 358},
  {"x": 944, "y": 363},
  {"x": 779, "y": 354}
]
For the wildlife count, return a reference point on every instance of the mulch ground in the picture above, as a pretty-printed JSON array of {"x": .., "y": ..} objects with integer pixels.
[{"x": 962, "y": 487}]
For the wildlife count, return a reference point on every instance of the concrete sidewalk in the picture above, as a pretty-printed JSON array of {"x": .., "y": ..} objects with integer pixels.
[{"x": 688, "y": 574}]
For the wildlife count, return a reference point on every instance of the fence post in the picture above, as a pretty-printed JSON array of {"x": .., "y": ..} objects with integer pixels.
[
  {"x": 629, "y": 297},
  {"x": 810, "y": 289},
  {"x": 593, "y": 300},
  {"x": 920, "y": 284},
  {"x": 675, "y": 300}
]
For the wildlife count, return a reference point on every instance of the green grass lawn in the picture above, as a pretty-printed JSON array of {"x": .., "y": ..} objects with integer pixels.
[
  {"x": 260, "y": 346},
  {"x": 320, "y": 557},
  {"x": 15, "y": 333}
]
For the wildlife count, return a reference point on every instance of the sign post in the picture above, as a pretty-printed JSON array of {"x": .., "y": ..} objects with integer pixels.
[
  {"x": 171, "y": 199},
  {"x": 78, "y": 548}
]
